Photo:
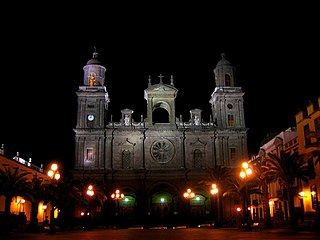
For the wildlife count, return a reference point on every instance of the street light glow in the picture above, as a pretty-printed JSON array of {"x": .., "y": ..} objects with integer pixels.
[
  {"x": 57, "y": 176},
  {"x": 245, "y": 165},
  {"x": 117, "y": 195},
  {"x": 189, "y": 193},
  {"x": 54, "y": 167},
  {"x": 245, "y": 172},
  {"x": 90, "y": 191},
  {"x": 248, "y": 171},
  {"x": 54, "y": 174}
]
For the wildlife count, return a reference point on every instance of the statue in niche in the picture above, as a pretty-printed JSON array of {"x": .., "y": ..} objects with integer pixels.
[
  {"x": 92, "y": 79},
  {"x": 196, "y": 120},
  {"x": 126, "y": 120}
]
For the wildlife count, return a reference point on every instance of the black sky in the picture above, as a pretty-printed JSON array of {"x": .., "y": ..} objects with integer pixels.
[{"x": 275, "y": 51}]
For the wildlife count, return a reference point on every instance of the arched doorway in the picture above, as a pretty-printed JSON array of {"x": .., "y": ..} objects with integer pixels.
[
  {"x": 197, "y": 209},
  {"x": 161, "y": 207},
  {"x": 127, "y": 210}
]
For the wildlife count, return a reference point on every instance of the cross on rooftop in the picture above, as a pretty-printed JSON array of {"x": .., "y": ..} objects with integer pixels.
[{"x": 160, "y": 76}]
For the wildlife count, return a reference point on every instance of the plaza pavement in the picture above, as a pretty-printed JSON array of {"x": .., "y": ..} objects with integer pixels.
[{"x": 168, "y": 234}]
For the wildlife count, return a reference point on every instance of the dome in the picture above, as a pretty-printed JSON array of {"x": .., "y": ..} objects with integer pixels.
[
  {"x": 94, "y": 60},
  {"x": 223, "y": 60}
]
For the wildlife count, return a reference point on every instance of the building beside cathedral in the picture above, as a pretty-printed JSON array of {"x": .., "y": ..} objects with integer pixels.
[{"x": 154, "y": 160}]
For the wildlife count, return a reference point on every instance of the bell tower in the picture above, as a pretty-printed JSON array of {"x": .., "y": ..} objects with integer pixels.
[
  {"x": 228, "y": 115},
  {"x": 93, "y": 102},
  {"x": 227, "y": 99}
]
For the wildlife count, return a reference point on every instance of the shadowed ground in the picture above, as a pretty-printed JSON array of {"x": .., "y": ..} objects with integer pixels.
[{"x": 167, "y": 234}]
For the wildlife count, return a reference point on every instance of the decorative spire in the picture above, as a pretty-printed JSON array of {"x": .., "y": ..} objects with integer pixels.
[
  {"x": 149, "y": 81},
  {"x": 171, "y": 80},
  {"x": 95, "y": 53},
  {"x": 223, "y": 56}
]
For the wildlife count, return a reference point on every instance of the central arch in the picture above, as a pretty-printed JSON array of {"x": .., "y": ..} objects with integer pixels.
[
  {"x": 161, "y": 113},
  {"x": 163, "y": 202}
]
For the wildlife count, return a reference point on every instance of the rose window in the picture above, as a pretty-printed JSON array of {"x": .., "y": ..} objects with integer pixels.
[{"x": 162, "y": 151}]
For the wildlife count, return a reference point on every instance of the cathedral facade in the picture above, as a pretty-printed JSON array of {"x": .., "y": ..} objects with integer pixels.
[{"x": 154, "y": 160}]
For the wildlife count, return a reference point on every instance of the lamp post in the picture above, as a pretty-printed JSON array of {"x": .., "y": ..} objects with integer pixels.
[
  {"x": 117, "y": 196},
  {"x": 246, "y": 172},
  {"x": 214, "y": 191},
  {"x": 90, "y": 193},
  {"x": 54, "y": 175},
  {"x": 188, "y": 194},
  {"x": 21, "y": 205}
]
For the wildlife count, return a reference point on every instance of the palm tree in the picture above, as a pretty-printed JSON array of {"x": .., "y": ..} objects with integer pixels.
[
  {"x": 310, "y": 157},
  {"x": 64, "y": 195},
  {"x": 220, "y": 176},
  {"x": 13, "y": 183},
  {"x": 91, "y": 202},
  {"x": 235, "y": 189},
  {"x": 260, "y": 174},
  {"x": 35, "y": 196},
  {"x": 316, "y": 154},
  {"x": 99, "y": 196},
  {"x": 288, "y": 168},
  {"x": 241, "y": 189}
]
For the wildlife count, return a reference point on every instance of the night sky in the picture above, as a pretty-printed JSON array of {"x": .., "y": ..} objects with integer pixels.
[{"x": 275, "y": 51}]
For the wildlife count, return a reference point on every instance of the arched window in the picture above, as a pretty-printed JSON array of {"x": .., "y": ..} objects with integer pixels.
[
  {"x": 227, "y": 79},
  {"x": 233, "y": 154},
  {"x": 230, "y": 120},
  {"x": 197, "y": 158},
  {"x": 126, "y": 159},
  {"x": 89, "y": 154}
]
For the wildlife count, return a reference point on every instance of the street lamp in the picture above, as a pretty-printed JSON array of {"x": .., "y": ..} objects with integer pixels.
[
  {"x": 21, "y": 205},
  {"x": 54, "y": 175},
  {"x": 90, "y": 193},
  {"x": 188, "y": 194},
  {"x": 214, "y": 191},
  {"x": 246, "y": 172},
  {"x": 117, "y": 196}
]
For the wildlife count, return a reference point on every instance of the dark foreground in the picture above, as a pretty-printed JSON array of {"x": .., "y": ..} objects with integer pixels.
[{"x": 168, "y": 234}]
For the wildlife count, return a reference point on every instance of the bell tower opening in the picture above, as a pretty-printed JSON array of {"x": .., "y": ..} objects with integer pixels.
[{"x": 160, "y": 115}]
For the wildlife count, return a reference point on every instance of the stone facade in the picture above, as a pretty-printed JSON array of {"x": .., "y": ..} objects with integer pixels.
[{"x": 159, "y": 155}]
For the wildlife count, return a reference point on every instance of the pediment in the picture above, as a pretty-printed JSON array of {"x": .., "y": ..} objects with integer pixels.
[
  {"x": 161, "y": 88},
  {"x": 199, "y": 143}
]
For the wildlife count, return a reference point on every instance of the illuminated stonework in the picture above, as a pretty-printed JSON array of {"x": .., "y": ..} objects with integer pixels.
[{"x": 162, "y": 151}]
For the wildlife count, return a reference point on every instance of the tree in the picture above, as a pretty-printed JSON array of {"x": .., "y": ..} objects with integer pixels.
[
  {"x": 91, "y": 202},
  {"x": 35, "y": 196},
  {"x": 99, "y": 197},
  {"x": 13, "y": 183},
  {"x": 316, "y": 154},
  {"x": 288, "y": 168},
  {"x": 241, "y": 189},
  {"x": 260, "y": 174},
  {"x": 220, "y": 176},
  {"x": 64, "y": 195}
]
